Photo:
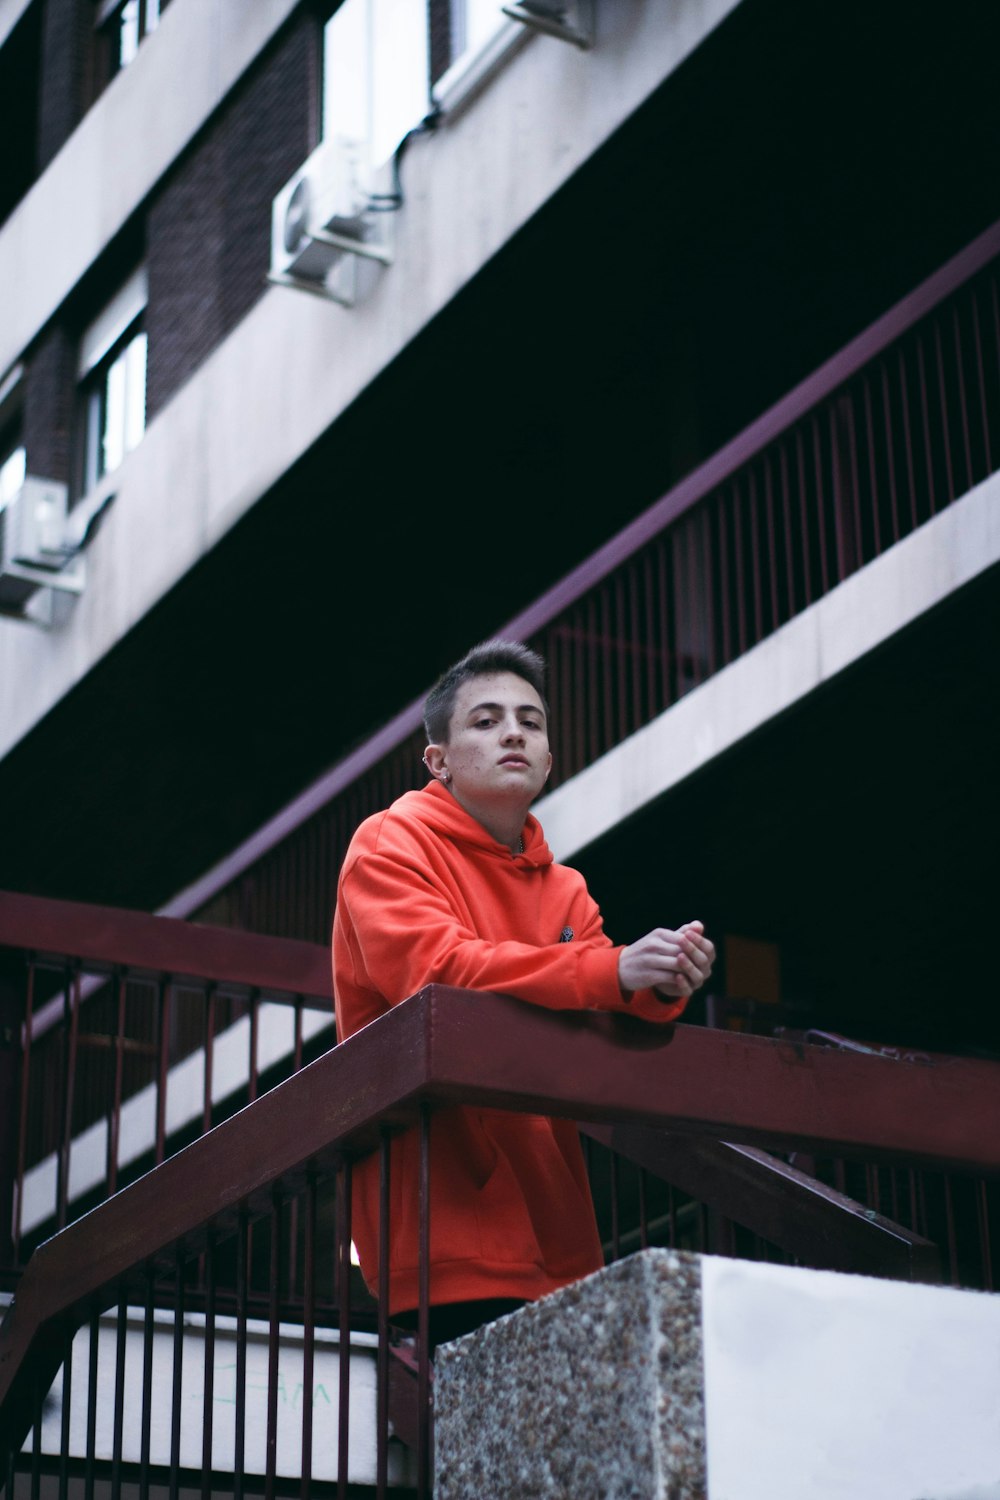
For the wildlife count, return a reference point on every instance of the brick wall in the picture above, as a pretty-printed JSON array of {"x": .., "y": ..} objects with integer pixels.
[
  {"x": 49, "y": 405},
  {"x": 67, "y": 39},
  {"x": 208, "y": 230}
]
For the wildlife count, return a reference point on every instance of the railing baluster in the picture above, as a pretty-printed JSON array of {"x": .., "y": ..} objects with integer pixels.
[
  {"x": 423, "y": 1311},
  {"x": 208, "y": 1398},
  {"x": 724, "y": 584},
  {"x": 926, "y": 426},
  {"x": 739, "y": 555},
  {"x": 817, "y": 448},
  {"x": 67, "y": 1407},
  {"x": 911, "y": 473},
  {"x": 273, "y": 1346},
  {"x": 873, "y": 483},
  {"x": 984, "y": 417},
  {"x": 22, "y": 1140},
  {"x": 36, "y": 1441},
  {"x": 343, "y": 1249},
  {"x": 963, "y": 405},
  {"x": 176, "y": 1387},
  {"x": 890, "y": 451},
  {"x": 755, "y": 571},
  {"x": 254, "y": 1041},
  {"x": 71, "y": 1016},
  {"x": 800, "y": 463},
  {"x": 308, "y": 1336},
  {"x": 242, "y": 1295},
  {"x": 786, "y": 516},
  {"x": 90, "y": 1460},
  {"x": 114, "y": 1119},
  {"x": 165, "y": 996},
  {"x": 209, "y": 1054},
  {"x": 147, "y": 1385},
  {"x": 382, "y": 1392},
  {"x": 121, "y": 1328},
  {"x": 772, "y": 554}
]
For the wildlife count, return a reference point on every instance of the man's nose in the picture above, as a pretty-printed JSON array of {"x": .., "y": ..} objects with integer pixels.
[{"x": 513, "y": 730}]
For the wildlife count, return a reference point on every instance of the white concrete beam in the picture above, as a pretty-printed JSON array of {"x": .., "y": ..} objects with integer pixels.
[
  {"x": 867, "y": 609},
  {"x": 11, "y": 12}
]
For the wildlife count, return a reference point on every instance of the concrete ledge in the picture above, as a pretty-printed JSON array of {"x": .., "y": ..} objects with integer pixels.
[
  {"x": 595, "y": 1392},
  {"x": 670, "y": 1376}
]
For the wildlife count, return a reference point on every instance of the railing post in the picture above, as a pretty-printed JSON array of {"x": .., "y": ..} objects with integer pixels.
[{"x": 11, "y": 1022}]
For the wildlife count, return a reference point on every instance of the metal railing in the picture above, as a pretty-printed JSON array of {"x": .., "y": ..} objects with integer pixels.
[
  {"x": 204, "y": 1235},
  {"x": 890, "y": 431},
  {"x": 134, "y": 1034}
]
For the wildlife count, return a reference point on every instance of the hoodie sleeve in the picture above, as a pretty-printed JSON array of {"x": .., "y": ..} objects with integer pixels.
[{"x": 405, "y": 934}]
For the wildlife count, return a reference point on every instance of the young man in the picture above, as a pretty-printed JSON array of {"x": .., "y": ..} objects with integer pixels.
[{"x": 455, "y": 884}]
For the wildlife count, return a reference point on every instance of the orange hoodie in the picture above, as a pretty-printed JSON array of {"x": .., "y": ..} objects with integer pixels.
[{"x": 426, "y": 895}]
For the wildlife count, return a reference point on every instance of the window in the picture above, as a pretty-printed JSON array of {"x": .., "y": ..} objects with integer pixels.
[
  {"x": 112, "y": 374},
  {"x": 480, "y": 39},
  {"x": 12, "y": 470},
  {"x": 13, "y": 463},
  {"x": 121, "y": 25},
  {"x": 473, "y": 22},
  {"x": 375, "y": 74}
]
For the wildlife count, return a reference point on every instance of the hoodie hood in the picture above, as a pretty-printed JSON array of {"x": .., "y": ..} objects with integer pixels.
[{"x": 434, "y": 807}]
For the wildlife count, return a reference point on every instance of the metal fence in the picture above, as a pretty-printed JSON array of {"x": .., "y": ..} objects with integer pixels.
[
  {"x": 201, "y": 1328},
  {"x": 893, "y": 429}
]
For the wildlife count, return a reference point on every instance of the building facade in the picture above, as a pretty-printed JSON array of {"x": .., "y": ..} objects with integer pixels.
[{"x": 678, "y": 355}]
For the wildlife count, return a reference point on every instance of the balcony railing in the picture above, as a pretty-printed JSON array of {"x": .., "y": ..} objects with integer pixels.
[
  {"x": 227, "y": 1266},
  {"x": 886, "y": 434},
  {"x": 134, "y": 1035}
]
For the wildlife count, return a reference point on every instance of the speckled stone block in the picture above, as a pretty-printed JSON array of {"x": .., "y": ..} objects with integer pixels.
[{"x": 594, "y": 1393}]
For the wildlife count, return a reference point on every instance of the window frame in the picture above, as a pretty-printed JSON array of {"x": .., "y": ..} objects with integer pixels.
[{"x": 113, "y": 353}]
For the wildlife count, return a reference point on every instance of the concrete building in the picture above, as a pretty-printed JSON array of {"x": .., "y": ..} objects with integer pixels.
[{"x": 334, "y": 338}]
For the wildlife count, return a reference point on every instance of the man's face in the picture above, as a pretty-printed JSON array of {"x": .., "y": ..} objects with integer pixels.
[{"x": 498, "y": 742}]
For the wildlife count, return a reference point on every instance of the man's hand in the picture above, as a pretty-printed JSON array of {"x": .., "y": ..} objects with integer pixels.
[{"x": 673, "y": 963}]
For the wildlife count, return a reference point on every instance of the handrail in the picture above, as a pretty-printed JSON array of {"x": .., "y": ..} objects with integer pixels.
[
  {"x": 694, "y": 487},
  {"x": 113, "y": 937},
  {"x": 447, "y": 1046},
  {"x": 751, "y": 1188}
]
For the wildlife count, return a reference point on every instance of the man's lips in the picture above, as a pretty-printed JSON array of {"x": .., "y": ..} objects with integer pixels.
[{"x": 513, "y": 760}]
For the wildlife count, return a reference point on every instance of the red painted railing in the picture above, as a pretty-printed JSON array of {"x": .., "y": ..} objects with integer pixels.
[
  {"x": 110, "y": 1010},
  {"x": 242, "y": 1239},
  {"x": 882, "y": 437}
]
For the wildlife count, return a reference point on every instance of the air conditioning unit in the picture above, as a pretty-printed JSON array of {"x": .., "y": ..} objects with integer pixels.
[
  {"x": 324, "y": 201},
  {"x": 34, "y": 547}
]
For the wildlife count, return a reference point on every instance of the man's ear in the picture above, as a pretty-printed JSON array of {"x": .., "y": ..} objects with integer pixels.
[{"x": 436, "y": 761}]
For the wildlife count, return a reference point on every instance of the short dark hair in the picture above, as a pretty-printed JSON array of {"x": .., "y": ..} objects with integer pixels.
[{"x": 481, "y": 661}]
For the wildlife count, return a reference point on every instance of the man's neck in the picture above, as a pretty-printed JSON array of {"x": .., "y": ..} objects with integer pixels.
[{"x": 503, "y": 823}]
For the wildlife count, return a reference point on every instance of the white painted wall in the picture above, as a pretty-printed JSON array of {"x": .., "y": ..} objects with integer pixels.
[
  {"x": 295, "y": 363},
  {"x": 862, "y": 612}
]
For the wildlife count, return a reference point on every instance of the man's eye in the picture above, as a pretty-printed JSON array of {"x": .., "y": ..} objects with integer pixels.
[
  {"x": 531, "y": 723},
  {"x": 483, "y": 723}
]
